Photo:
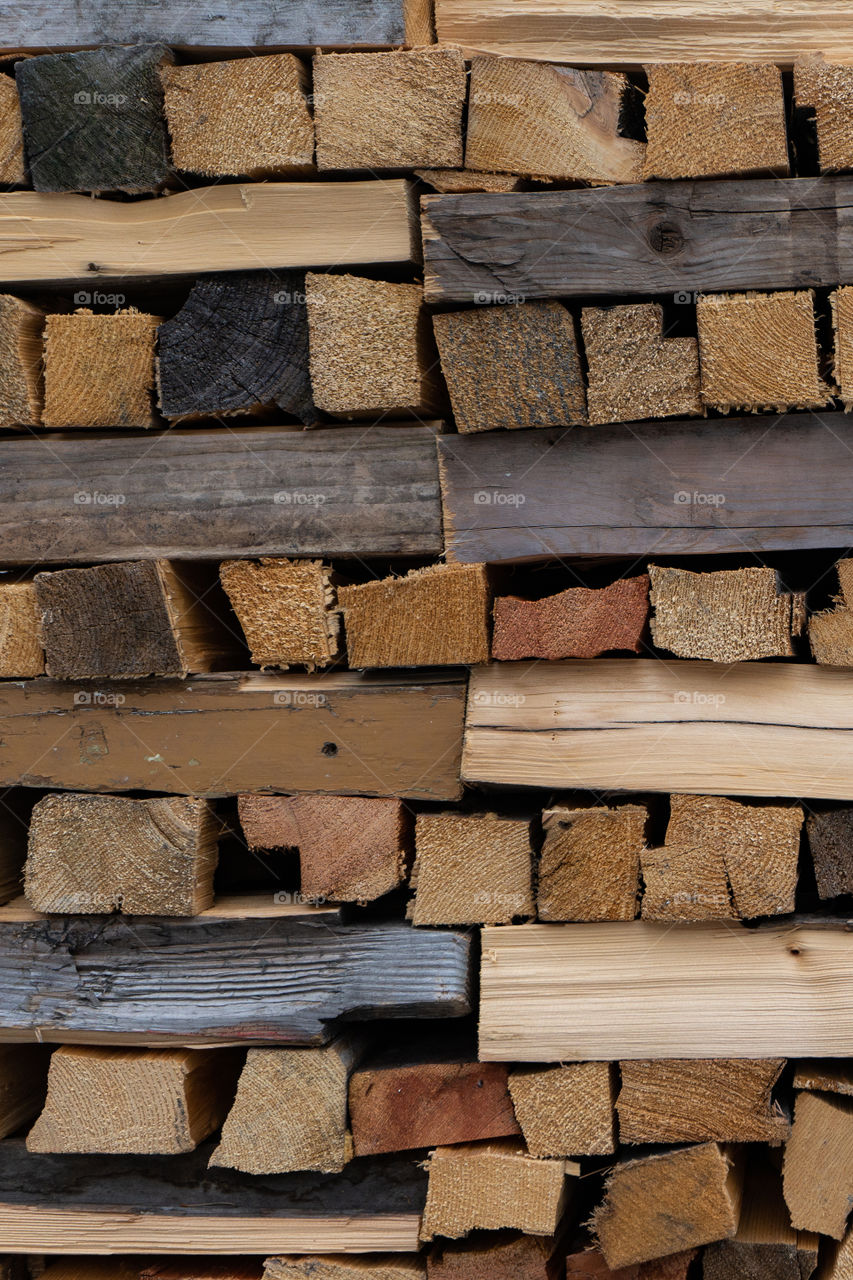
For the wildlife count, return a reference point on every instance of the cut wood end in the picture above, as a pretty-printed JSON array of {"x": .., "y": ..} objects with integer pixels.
[
  {"x": 21, "y": 652},
  {"x": 589, "y": 868},
  {"x": 566, "y": 1110},
  {"x": 827, "y": 89},
  {"x": 577, "y": 623},
  {"x": 286, "y": 609},
  {"x": 21, "y": 355},
  {"x": 635, "y": 371},
  {"x": 99, "y": 369},
  {"x": 696, "y": 1100},
  {"x": 831, "y": 631},
  {"x": 471, "y": 869}
]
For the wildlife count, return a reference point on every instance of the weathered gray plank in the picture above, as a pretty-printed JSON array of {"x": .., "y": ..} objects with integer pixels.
[
  {"x": 730, "y": 485},
  {"x": 211, "y": 494},
  {"x": 156, "y": 981},
  {"x": 42, "y": 24},
  {"x": 340, "y": 733},
  {"x": 659, "y": 237}
]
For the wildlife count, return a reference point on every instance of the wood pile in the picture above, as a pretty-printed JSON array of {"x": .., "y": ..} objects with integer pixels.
[{"x": 426, "y": 641}]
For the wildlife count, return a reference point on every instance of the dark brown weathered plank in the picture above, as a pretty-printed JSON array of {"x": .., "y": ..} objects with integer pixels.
[
  {"x": 675, "y": 237},
  {"x": 223, "y": 23},
  {"x": 731, "y": 485},
  {"x": 80, "y": 1204},
  {"x": 212, "y": 979},
  {"x": 216, "y": 494},
  {"x": 342, "y": 734}
]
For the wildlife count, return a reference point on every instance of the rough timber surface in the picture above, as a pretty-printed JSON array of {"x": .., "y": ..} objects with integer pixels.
[
  {"x": 684, "y": 487},
  {"x": 218, "y": 494},
  {"x": 153, "y": 1204},
  {"x": 217, "y": 979},
  {"x": 650, "y": 238},
  {"x": 221, "y": 735}
]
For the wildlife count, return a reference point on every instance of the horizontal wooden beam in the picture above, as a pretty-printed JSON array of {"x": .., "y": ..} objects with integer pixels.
[
  {"x": 218, "y": 979},
  {"x": 215, "y": 494},
  {"x": 232, "y": 227},
  {"x": 221, "y": 735},
  {"x": 675, "y": 238},
  {"x": 676, "y": 488},
  {"x": 644, "y": 725},
  {"x": 554, "y": 993},
  {"x": 80, "y": 1204}
]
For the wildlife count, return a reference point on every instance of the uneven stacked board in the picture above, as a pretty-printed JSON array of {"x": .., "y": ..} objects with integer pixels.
[{"x": 426, "y": 659}]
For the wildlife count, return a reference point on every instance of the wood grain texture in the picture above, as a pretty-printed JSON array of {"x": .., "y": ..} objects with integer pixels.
[
  {"x": 566, "y": 1110},
  {"x": 12, "y": 168},
  {"x": 640, "y": 724},
  {"x": 502, "y": 1255},
  {"x": 830, "y": 835},
  {"x": 54, "y": 237},
  {"x": 677, "y": 488},
  {"x": 638, "y": 31},
  {"x": 223, "y": 24},
  {"x": 639, "y": 240},
  {"x": 215, "y": 736},
  {"x": 342, "y": 1267},
  {"x": 589, "y": 866},
  {"x": 570, "y": 993},
  {"x": 580, "y": 622},
  {"x": 818, "y": 1168},
  {"x": 21, "y": 651},
  {"x": 635, "y": 370},
  {"x": 831, "y": 630},
  {"x": 286, "y": 609},
  {"x": 471, "y": 869},
  {"x": 175, "y": 1204},
  {"x": 99, "y": 369},
  {"x": 722, "y": 1099},
  {"x": 21, "y": 354},
  {"x": 824, "y": 91},
  {"x": 207, "y": 494},
  {"x": 209, "y": 980},
  {"x": 765, "y": 1246}
]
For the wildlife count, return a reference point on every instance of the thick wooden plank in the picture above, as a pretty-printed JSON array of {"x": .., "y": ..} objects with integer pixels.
[
  {"x": 221, "y": 24},
  {"x": 210, "y": 494},
  {"x": 640, "y": 724},
  {"x": 209, "y": 980},
  {"x": 554, "y": 993},
  {"x": 232, "y": 227},
  {"x": 637, "y": 31},
  {"x": 769, "y": 233},
  {"x": 81, "y": 1204},
  {"x": 732, "y": 485},
  {"x": 220, "y": 735}
]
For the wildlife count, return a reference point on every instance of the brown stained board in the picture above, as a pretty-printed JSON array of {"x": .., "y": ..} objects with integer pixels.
[
  {"x": 351, "y": 848},
  {"x": 179, "y": 1206},
  {"x": 247, "y": 117},
  {"x": 589, "y": 866},
  {"x": 97, "y": 854},
  {"x": 52, "y": 237},
  {"x": 641, "y": 240},
  {"x": 432, "y": 617},
  {"x": 224, "y": 735},
  {"x": 641, "y": 724},
  {"x": 830, "y": 838},
  {"x": 692, "y": 1101},
  {"x": 286, "y": 609},
  {"x": 471, "y": 869},
  {"x": 758, "y": 351},
  {"x": 99, "y": 369},
  {"x": 280, "y": 975},
  {"x": 818, "y": 1168},
  {"x": 549, "y": 122},
  {"x": 341, "y": 1267},
  {"x": 590, "y": 1265},
  {"x": 580, "y": 622},
  {"x": 21, "y": 351},
  {"x": 369, "y": 353},
  {"x": 70, "y": 500},
  {"x": 715, "y": 989},
  {"x": 729, "y": 615},
  {"x": 504, "y": 1255},
  {"x": 825, "y": 91},
  {"x": 566, "y": 1110},
  {"x": 399, "y": 1101},
  {"x": 389, "y": 110},
  {"x": 155, "y": 1102},
  {"x": 707, "y": 120},
  {"x": 679, "y": 488},
  {"x": 831, "y": 630},
  {"x": 511, "y": 365},
  {"x": 492, "y": 1186},
  {"x": 21, "y": 652},
  {"x": 635, "y": 370},
  {"x": 667, "y": 1203}
]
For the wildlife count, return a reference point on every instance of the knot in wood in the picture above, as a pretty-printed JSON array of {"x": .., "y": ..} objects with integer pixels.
[{"x": 665, "y": 238}]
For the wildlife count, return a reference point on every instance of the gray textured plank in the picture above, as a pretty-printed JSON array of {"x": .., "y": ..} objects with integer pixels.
[
  {"x": 672, "y": 488},
  {"x": 210, "y": 494},
  {"x": 658, "y": 237},
  {"x": 42, "y": 24},
  {"x": 147, "y": 980}
]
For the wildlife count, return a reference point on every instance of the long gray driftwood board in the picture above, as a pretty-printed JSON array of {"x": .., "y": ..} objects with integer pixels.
[
  {"x": 210, "y": 494},
  {"x": 656, "y": 237},
  {"x": 671, "y": 488}
]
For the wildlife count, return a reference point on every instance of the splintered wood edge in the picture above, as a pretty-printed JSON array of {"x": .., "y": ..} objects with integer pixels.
[{"x": 31, "y": 1229}]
